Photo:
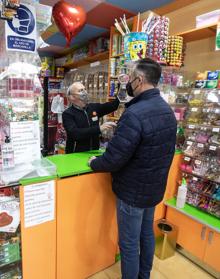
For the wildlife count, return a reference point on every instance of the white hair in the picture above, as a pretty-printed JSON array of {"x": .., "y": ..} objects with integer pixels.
[{"x": 71, "y": 88}]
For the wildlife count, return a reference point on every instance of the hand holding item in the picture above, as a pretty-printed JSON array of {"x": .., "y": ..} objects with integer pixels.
[
  {"x": 90, "y": 160},
  {"x": 107, "y": 126},
  {"x": 122, "y": 91}
]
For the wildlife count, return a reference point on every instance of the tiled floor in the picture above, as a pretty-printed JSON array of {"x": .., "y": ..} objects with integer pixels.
[{"x": 172, "y": 268}]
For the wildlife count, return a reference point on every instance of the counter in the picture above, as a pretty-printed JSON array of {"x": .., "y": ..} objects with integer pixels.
[
  {"x": 82, "y": 238},
  {"x": 86, "y": 217}
]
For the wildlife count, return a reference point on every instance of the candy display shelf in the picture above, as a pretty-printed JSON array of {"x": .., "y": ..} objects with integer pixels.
[
  {"x": 196, "y": 214},
  {"x": 198, "y": 176},
  {"x": 200, "y": 165}
]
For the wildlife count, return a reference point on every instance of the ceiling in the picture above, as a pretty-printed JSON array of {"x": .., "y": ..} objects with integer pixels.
[{"x": 100, "y": 17}]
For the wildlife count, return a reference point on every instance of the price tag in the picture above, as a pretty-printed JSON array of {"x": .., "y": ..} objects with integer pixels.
[
  {"x": 191, "y": 126},
  {"x": 90, "y": 85},
  {"x": 198, "y": 162},
  {"x": 194, "y": 109},
  {"x": 187, "y": 159},
  {"x": 106, "y": 84},
  {"x": 200, "y": 145},
  {"x": 196, "y": 92},
  {"x": 95, "y": 85},
  {"x": 216, "y": 129},
  {"x": 195, "y": 178},
  {"x": 212, "y": 147},
  {"x": 189, "y": 142}
]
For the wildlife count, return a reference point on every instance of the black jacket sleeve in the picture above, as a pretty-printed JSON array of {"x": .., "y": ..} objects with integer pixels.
[
  {"x": 106, "y": 108},
  {"x": 77, "y": 133},
  {"x": 122, "y": 146}
]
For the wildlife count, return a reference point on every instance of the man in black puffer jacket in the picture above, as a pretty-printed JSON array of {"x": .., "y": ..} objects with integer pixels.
[{"x": 139, "y": 157}]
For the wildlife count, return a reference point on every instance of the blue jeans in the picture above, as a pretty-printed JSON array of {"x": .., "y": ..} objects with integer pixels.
[{"x": 136, "y": 240}]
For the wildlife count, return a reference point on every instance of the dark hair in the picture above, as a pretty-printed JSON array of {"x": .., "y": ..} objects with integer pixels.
[{"x": 151, "y": 70}]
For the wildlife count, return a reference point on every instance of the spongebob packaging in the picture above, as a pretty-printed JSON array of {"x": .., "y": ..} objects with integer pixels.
[
  {"x": 135, "y": 46},
  {"x": 47, "y": 67}
]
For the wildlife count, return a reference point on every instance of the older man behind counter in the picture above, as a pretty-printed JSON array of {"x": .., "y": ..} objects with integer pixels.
[{"x": 81, "y": 120}]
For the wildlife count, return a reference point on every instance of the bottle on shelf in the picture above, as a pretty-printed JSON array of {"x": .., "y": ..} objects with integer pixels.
[
  {"x": 181, "y": 195},
  {"x": 7, "y": 154}
]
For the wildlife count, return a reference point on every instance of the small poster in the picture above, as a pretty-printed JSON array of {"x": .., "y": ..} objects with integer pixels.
[
  {"x": 21, "y": 32},
  {"x": 25, "y": 137},
  {"x": 9, "y": 214},
  {"x": 39, "y": 203}
]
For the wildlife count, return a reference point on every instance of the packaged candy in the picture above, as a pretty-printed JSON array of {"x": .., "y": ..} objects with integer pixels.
[
  {"x": 214, "y": 208},
  {"x": 196, "y": 98},
  {"x": 213, "y": 75},
  {"x": 182, "y": 98},
  {"x": 203, "y": 203},
  {"x": 60, "y": 72},
  {"x": 200, "y": 84},
  {"x": 202, "y": 136},
  {"x": 158, "y": 39},
  {"x": 195, "y": 115},
  {"x": 216, "y": 194},
  {"x": 201, "y": 76},
  {"x": 211, "y": 84},
  {"x": 179, "y": 113},
  {"x": 192, "y": 198},
  {"x": 175, "y": 51}
]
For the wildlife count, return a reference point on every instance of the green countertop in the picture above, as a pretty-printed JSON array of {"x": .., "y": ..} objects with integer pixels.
[
  {"x": 178, "y": 151},
  {"x": 68, "y": 165},
  {"x": 34, "y": 180},
  {"x": 73, "y": 164},
  {"x": 196, "y": 214}
]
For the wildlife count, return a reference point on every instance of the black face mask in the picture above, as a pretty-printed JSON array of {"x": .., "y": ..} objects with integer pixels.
[{"x": 129, "y": 88}]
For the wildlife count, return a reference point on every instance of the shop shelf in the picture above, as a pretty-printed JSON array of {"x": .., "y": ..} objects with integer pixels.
[
  {"x": 199, "y": 33},
  {"x": 52, "y": 126},
  {"x": 199, "y": 176},
  {"x": 117, "y": 55},
  {"x": 87, "y": 60},
  {"x": 54, "y": 80},
  {"x": 113, "y": 77},
  {"x": 202, "y": 193},
  {"x": 9, "y": 253}
]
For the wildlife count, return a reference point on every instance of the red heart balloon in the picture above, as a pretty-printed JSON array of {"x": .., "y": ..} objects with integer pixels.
[{"x": 70, "y": 19}]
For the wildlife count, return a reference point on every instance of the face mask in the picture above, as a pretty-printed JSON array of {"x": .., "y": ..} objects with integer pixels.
[
  {"x": 129, "y": 88},
  {"x": 84, "y": 97}
]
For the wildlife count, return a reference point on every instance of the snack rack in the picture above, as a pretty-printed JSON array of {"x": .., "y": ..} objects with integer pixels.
[{"x": 201, "y": 161}]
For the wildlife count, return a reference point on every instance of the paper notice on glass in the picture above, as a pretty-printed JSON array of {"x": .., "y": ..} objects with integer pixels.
[
  {"x": 39, "y": 203},
  {"x": 25, "y": 137}
]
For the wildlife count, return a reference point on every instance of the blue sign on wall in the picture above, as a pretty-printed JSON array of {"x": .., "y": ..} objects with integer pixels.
[{"x": 21, "y": 31}]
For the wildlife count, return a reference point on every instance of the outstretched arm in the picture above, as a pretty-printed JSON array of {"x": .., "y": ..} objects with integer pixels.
[{"x": 122, "y": 146}]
